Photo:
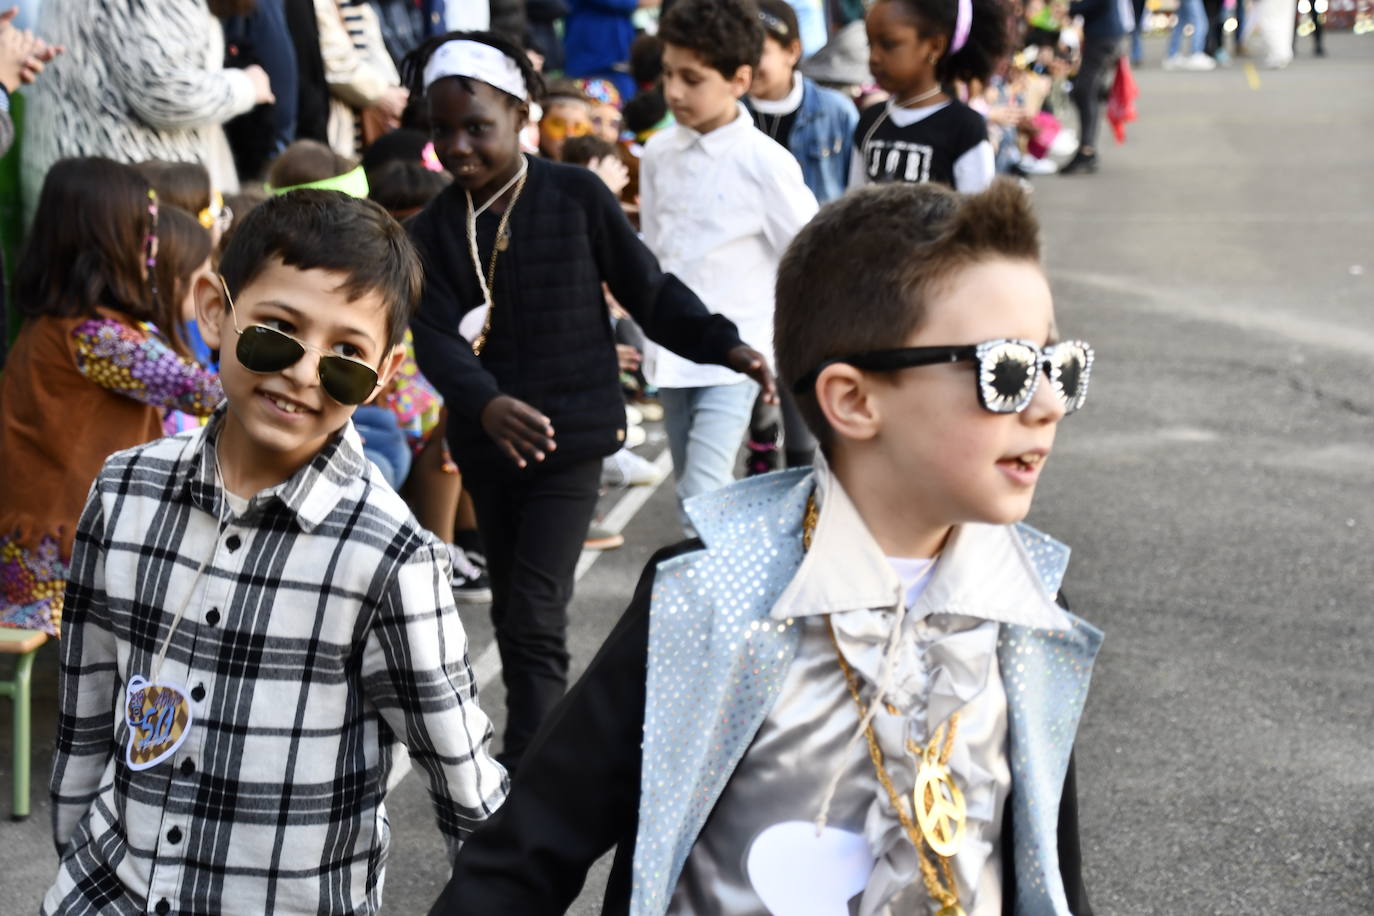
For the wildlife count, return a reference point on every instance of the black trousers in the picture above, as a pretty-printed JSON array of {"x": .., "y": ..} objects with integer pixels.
[
  {"x": 1099, "y": 55},
  {"x": 533, "y": 523}
]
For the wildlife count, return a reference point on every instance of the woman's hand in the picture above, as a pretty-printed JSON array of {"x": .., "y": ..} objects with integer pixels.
[
  {"x": 262, "y": 85},
  {"x": 519, "y": 430}
]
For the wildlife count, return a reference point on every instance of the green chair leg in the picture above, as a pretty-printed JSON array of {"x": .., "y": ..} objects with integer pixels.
[{"x": 22, "y": 670}]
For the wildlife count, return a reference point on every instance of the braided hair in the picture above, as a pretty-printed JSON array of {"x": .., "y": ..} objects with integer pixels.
[
  {"x": 989, "y": 37},
  {"x": 413, "y": 64}
]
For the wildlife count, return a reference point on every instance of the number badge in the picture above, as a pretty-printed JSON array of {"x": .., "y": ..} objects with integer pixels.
[{"x": 159, "y": 717}]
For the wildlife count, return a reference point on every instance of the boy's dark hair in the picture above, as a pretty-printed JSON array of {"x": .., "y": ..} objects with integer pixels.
[
  {"x": 402, "y": 144},
  {"x": 779, "y": 22},
  {"x": 859, "y": 275},
  {"x": 989, "y": 38},
  {"x": 404, "y": 187},
  {"x": 644, "y": 111},
  {"x": 646, "y": 60},
  {"x": 582, "y": 150},
  {"x": 305, "y": 161},
  {"x": 183, "y": 245},
  {"x": 185, "y": 185},
  {"x": 88, "y": 242},
  {"x": 413, "y": 64},
  {"x": 328, "y": 230},
  {"x": 726, "y": 34}
]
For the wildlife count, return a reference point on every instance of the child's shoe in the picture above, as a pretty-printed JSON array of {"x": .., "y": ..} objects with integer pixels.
[
  {"x": 599, "y": 538},
  {"x": 470, "y": 582},
  {"x": 1199, "y": 62},
  {"x": 1174, "y": 62},
  {"x": 626, "y": 469}
]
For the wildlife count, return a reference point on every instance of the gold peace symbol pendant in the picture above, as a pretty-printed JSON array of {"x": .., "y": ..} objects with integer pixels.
[
  {"x": 503, "y": 241},
  {"x": 939, "y": 808},
  {"x": 953, "y": 909}
]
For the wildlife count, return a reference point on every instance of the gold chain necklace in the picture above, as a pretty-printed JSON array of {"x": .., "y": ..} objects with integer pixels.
[{"x": 940, "y": 809}]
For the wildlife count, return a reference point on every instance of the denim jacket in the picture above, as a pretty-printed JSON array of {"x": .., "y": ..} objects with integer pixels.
[{"x": 823, "y": 138}]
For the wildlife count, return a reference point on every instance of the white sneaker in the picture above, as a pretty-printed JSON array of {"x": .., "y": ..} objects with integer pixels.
[
  {"x": 626, "y": 469},
  {"x": 1199, "y": 62},
  {"x": 635, "y": 436},
  {"x": 633, "y": 416},
  {"x": 1173, "y": 62},
  {"x": 1032, "y": 166}
]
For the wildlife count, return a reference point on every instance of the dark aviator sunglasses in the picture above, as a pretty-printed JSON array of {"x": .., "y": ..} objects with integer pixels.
[{"x": 265, "y": 350}]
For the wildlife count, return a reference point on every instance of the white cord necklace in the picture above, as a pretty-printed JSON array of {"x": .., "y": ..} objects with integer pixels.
[{"x": 474, "y": 212}]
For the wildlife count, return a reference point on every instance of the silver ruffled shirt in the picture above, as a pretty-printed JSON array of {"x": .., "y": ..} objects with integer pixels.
[{"x": 760, "y": 851}]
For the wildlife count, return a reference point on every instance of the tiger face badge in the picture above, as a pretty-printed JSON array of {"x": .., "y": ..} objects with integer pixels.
[{"x": 159, "y": 717}]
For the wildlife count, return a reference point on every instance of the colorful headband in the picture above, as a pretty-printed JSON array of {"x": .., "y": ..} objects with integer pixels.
[
  {"x": 477, "y": 61},
  {"x": 963, "y": 21},
  {"x": 211, "y": 213},
  {"x": 601, "y": 91},
  {"x": 150, "y": 243},
  {"x": 353, "y": 183}
]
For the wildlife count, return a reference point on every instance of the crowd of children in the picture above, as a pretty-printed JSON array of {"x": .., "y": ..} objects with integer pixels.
[{"x": 397, "y": 382}]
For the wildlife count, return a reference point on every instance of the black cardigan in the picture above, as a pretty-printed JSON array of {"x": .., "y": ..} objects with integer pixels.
[
  {"x": 550, "y": 343},
  {"x": 576, "y": 795}
]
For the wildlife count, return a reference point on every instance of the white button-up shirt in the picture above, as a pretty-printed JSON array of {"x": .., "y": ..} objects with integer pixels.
[{"x": 718, "y": 210}]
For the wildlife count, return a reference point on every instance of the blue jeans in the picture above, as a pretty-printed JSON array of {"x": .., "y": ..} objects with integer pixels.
[
  {"x": 706, "y": 427},
  {"x": 1190, "y": 12}
]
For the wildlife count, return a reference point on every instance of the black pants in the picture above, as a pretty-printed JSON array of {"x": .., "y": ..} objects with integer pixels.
[
  {"x": 1099, "y": 55},
  {"x": 533, "y": 523}
]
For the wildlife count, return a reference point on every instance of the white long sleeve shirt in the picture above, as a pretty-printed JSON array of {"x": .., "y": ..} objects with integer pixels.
[{"x": 718, "y": 210}]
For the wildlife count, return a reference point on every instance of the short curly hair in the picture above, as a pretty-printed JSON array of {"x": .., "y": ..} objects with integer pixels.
[{"x": 727, "y": 34}]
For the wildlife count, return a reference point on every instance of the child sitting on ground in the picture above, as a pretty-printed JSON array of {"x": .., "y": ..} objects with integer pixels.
[
  {"x": 254, "y": 619},
  {"x": 856, "y": 692}
]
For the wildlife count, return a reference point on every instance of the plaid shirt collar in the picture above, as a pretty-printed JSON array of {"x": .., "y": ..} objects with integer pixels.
[{"x": 309, "y": 495}]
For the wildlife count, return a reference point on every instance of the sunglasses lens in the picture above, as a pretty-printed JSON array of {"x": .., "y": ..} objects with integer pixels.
[
  {"x": 1070, "y": 363},
  {"x": 1006, "y": 376},
  {"x": 345, "y": 380},
  {"x": 262, "y": 349}
]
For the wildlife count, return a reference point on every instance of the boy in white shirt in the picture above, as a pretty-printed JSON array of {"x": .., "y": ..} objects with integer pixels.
[{"x": 720, "y": 202}]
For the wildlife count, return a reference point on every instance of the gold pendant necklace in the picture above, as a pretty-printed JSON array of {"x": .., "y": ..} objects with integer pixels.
[{"x": 936, "y": 799}]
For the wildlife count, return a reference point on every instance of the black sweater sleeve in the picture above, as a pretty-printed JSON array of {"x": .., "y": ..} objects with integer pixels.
[
  {"x": 444, "y": 356},
  {"x": 577, "y": 791},
  {"x": 670, "y": 313}
]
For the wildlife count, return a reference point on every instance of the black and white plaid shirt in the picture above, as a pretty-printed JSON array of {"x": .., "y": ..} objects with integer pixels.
[{"x": 322, "y": 632}]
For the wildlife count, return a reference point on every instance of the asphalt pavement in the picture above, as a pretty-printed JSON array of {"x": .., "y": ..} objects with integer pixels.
[{"x": 1218, "y": 490}]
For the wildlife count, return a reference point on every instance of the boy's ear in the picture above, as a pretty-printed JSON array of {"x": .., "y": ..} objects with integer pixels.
[
  {"x": 794, "y": 52},
  {"x": 210, "y": 308},
  {"x": 845, "y": 397},
  {"x": 742, "y": 80},
  {"x": 391, "y": 363}
]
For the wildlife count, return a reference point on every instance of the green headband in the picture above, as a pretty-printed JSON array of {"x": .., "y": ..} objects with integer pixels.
[{"x": 353, "y": 183}]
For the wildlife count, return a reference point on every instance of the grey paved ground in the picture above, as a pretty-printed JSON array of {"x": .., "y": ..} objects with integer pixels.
[{"x": 1217, "y": 491}]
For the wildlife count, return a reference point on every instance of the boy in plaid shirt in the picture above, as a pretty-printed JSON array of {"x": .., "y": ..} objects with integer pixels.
[{"x": 254, "y": 620}]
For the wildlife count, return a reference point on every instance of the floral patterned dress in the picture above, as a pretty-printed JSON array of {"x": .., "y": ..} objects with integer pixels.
[{"x": 74, "y": 391}]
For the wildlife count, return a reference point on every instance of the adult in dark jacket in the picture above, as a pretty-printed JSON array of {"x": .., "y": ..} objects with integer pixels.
[
  {"x": 1104, "y": 22},
  {"x": 534, "y": 400}
]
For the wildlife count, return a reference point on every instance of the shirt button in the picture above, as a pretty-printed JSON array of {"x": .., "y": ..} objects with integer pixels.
[
  {"x": 163, "y": 907},
  {"x": 212, "y": 618},
  {"x": 188, "y": 767},
  {"x": 232, "y": 542},
  {"x": 174, "y": 835},
  {"x": 198, "y": 692}
]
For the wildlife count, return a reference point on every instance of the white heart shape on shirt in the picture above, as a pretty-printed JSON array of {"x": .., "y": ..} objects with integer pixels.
[{"x": 797, "y": 873}]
